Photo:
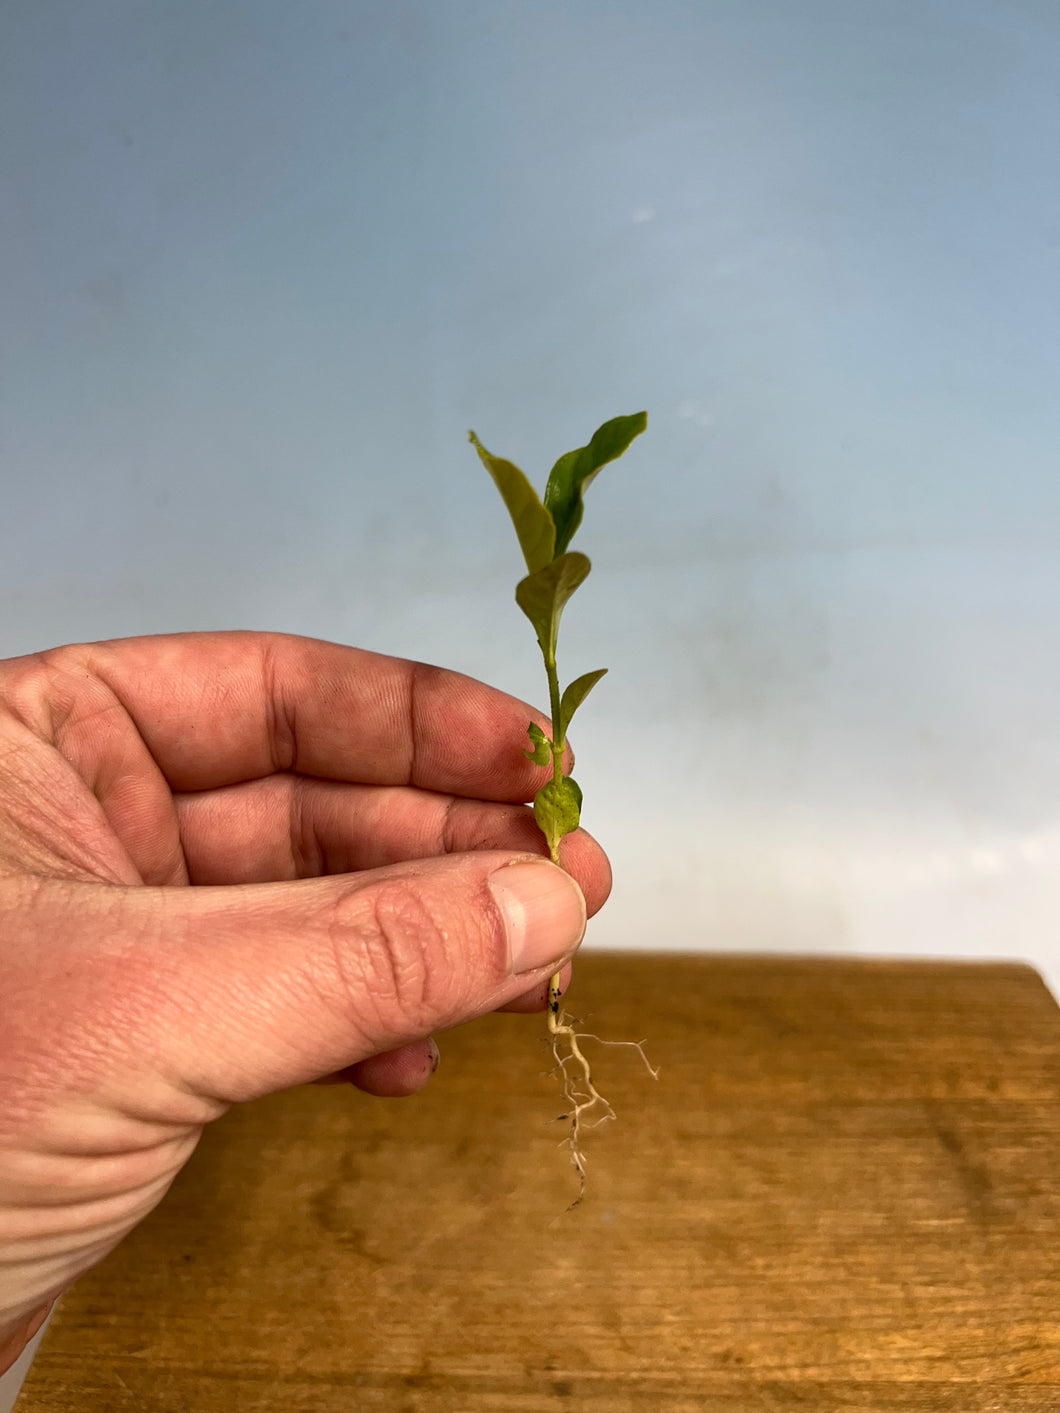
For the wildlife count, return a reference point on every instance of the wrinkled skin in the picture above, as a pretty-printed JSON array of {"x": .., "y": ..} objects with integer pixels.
[{"x": 231, "y": 863}]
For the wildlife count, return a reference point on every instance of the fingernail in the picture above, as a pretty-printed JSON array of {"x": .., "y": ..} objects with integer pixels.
[
  {"x": 434, "y": 1055},
  {"x": 543, "y": 910}
]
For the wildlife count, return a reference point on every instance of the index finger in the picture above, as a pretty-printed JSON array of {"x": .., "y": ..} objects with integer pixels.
[{"x": 218, "y": 708}]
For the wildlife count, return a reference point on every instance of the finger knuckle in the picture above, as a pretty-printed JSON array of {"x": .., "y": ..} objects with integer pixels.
[{"x": 389, "y": 951}]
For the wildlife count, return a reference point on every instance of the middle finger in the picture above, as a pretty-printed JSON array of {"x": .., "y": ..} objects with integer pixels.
[{"x": 290, "y": 826}]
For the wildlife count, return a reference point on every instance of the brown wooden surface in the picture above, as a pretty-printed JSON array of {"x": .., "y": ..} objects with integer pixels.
[{"x": 843, "y": 1194}]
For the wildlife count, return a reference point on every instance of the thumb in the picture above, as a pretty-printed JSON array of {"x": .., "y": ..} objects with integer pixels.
[{"x": 265, "y": 986}]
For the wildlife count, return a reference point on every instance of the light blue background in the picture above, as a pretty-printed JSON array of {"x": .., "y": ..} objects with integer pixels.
[{"x": 264, "y": 263}]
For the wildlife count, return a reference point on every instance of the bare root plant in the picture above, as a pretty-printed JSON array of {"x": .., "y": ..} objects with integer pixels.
[{"x": 545, "y": 528}]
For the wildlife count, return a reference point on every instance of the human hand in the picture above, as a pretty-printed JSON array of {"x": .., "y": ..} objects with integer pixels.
[{"x": 365, "y": 871}]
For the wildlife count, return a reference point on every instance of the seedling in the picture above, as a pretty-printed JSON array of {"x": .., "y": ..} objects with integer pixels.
[{"x": 545, "y": 528}]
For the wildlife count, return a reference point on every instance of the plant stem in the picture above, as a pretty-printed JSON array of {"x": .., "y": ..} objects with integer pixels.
[
  {"x": 553, "y": 701},
  {"x": 582, "y": 1095},
  {"x": 557, "y": 775}
]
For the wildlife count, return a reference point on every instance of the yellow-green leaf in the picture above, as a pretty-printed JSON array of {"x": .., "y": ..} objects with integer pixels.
[
  {"x": 542, "y": 596},
  {"x": 557, "y": 809},
  {"x": 574, "y": 695},
  {"x": 541, "y": 753},
  {"x": 533, "y": 523},
  {"x": 574, "y": 471}
]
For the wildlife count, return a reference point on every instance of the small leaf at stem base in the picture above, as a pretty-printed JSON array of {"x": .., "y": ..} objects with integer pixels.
[
  {"x": 557, "y": 809},
  {"x": 541, "y": 753}
]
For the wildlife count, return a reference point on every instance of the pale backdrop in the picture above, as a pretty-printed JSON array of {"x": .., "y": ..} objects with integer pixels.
[{"x": 263, "y": 264}]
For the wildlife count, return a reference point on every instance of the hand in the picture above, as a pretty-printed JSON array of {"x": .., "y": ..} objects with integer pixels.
[{"x": 365, "y": 872}]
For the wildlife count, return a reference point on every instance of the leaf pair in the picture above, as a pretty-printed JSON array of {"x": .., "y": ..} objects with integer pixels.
[
  {"x": 546, "y": 529},
  {"x": 541, "y": 747}
]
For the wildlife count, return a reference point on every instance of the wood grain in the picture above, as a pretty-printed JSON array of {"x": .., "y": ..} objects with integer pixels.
[{"x": 843, "y": 1194}]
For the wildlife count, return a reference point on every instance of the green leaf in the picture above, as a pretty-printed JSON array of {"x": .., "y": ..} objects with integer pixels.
[
  {"x": 572, "y": 473},
  {"x": 542, "y": 596},
  {"x": 557, "y": 809},
  {"x": 542, "y": 746},
  {"x": 533, "y": 523},
  {"x": 573, "y": 697}
]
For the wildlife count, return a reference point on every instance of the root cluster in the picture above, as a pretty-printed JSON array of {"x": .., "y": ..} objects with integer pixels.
[{"x": 587, "y": 1107}]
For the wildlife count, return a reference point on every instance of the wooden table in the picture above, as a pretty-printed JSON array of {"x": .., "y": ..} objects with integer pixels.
[{"x": 843, "y": 1194}]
